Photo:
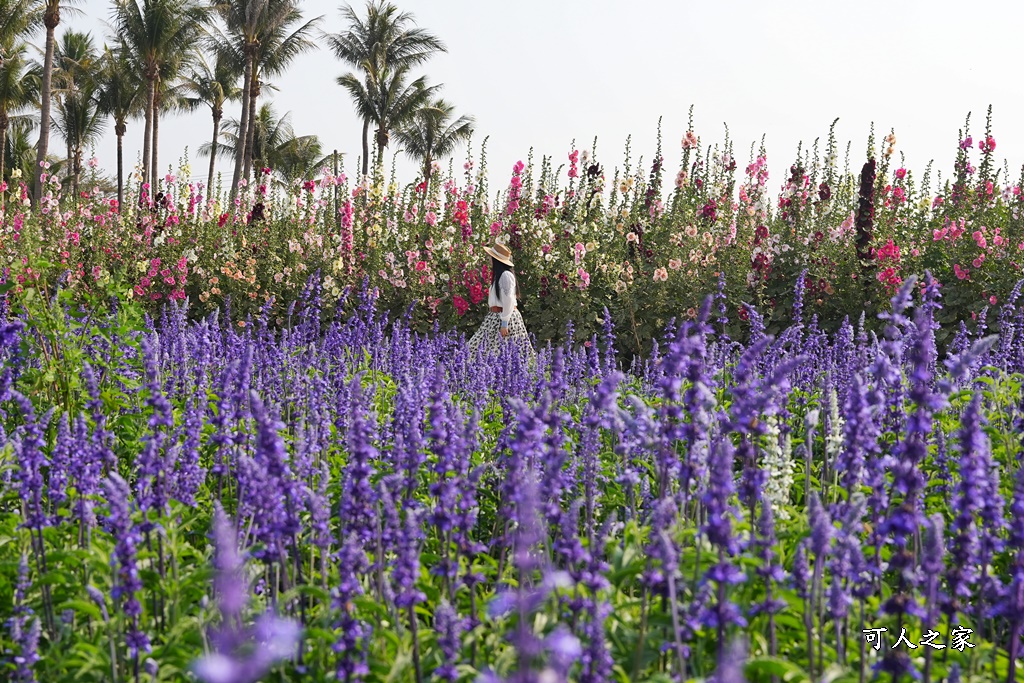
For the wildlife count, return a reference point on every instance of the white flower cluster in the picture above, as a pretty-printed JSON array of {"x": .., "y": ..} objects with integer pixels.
[
  {"x": 834, "y": 438},
  {"x": 778, "y": 465}
]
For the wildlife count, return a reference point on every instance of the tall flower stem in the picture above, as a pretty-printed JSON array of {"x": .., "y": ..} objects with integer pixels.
[{"x": 415, "y": 644}]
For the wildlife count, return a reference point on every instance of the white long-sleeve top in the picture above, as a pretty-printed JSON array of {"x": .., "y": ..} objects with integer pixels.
[{"x": 505, "y": 296}]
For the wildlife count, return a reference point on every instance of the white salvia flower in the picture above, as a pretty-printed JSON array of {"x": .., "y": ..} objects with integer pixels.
[{"x": 778, "y": 465}]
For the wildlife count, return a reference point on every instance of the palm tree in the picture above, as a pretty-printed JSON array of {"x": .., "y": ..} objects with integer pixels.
[
  {"x": 388, "y": 100},
  {"x": 275, "y": 145},
  {"x": 79, "y": 118},
  {"x": 159, "y": 34},
  {"x": 19, "y": 90},
  {"x": 17, "y": 19},
  {"x": 169, "y": 97},
  {"x": 261, "y": 40},
  {"x": 431, "y": 134},
  {"x": 20, "y": 151},
  {"x": 382, "y": 42},
  {"x": 212, "y": 87},
  {"x": 120, "y": 97},
  {"x": 51, "y": 10}
]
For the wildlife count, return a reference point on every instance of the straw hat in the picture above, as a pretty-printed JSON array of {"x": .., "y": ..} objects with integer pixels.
[{"x": 501, "y": 253}]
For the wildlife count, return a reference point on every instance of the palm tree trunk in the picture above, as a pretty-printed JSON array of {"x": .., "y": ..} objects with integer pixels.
[
  {"x": 77, "y": 169},
  {"x": 156, "y": 142},
  {"x": 250, "y": 136},
  {"x": 147, "y": 139},
  {"x": 119, "y": 130},
  {"x": 366, "y": 147},
  {"x": 213, "y": 156},
  {"x": 3, "y": 153},
  {"x": 243, "y": 126},
  {"x": 51, "y": 20}
]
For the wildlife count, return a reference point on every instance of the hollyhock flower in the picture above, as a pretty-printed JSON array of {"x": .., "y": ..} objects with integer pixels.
[
  {"x": 660, "y": 275},
  {"x": 901, "y": 173},
  {"x": 461, "y": 305},
  {"x": 584, "y": 278}
]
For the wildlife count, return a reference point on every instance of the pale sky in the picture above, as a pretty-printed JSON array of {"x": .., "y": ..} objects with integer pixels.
[{"x": 539, "y": 73}]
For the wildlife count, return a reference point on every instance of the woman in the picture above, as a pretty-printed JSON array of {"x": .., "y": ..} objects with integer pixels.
[{"x": 504, "y": 321}]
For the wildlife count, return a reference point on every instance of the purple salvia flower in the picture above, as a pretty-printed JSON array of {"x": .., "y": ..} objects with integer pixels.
[
  {"x": 860, "y": 435},
  {"x": 229, "y": 584},
  {"x": 24, "y": 628},
  {"x": 962, "y": 573},
  {"x": 355, "y": 635},
  {"x": 190, "y": 473},
  {"x": 60, "y": 468},
  {"x": 126, "y": 537},
  {"x": 406, "y": 567},
  {"x": 242, "y": 654},
  {"x": 730, "y": 666},
  {"x": 1011, "y": 606},
  {"x": 156, "y": 463},
  {"x": 801, "y": 570},
  {"x": 358, "y": 501},
  {"x": 28, "y": 649},
  {"x": 932, "y": 564},
  {"x": 449, "y": 627},
  {"x": 28, "y": 450},
  {"x": 276, "y": 496}
]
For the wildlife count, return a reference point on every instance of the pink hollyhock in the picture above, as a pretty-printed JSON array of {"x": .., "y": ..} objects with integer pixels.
[
  {"x": 518, "y": 168},
  {"x": 584, "y": 278},
  {"x": 660, "y": 275},
  {"x": 461, "y": 305},
  {"x": 421, "y": 266},
  {"x": 961, "y": 274},
  {"x": 431, "y": 218},
  {"x": 901, "y": 173}
]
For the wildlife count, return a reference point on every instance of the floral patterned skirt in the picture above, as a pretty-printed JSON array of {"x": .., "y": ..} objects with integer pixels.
[{"x": 488, "y": 338}]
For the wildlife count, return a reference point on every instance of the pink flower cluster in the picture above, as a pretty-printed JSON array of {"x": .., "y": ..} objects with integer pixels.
[
  {"x": 515, "y": 188},
  {"x": 889, "y": 276},
  {"x": 950, "y": 231},
  {"x": 574, "y": 169}
]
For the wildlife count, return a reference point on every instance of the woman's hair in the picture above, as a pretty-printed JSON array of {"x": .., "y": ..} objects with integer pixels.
[{"x": 497, "y": 270}]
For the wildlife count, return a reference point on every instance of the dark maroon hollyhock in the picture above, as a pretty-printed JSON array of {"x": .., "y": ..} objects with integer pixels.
[
  {"x": 824, "y": 192},
  {"x": 865, "y": 220},
  {"x": 257, "y": 212}
]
